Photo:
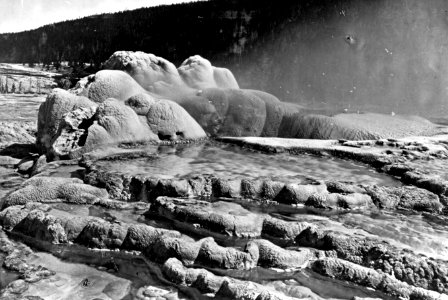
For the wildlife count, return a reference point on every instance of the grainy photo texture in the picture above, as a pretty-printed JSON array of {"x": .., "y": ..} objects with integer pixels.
[{"x": 223, "y": 149}]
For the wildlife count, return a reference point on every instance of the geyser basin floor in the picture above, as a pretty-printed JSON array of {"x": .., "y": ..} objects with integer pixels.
[
  {"x": 19, "y": 107},
  {"x": 419, "y": 233},
  {"x": 233, "y": 162}
]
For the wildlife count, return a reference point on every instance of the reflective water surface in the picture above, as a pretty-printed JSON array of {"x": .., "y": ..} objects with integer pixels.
[
  {"x": 229, "y": 161},
  {"x": 15, "y": 107}
]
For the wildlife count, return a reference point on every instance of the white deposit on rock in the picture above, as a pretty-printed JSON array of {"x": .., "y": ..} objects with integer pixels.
[{"x": 140, "y": 97}]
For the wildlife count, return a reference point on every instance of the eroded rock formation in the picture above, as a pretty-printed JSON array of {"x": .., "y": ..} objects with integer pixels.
[
  {"x": 70, "y": 125},
  {"x": 212, "y": 235},
  {"x": 154, "y": 101}
]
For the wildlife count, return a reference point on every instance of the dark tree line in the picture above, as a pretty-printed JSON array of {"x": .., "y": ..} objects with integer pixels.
[{"x": 221, "y": 30}]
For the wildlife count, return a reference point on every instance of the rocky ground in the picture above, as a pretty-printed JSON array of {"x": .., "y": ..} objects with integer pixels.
[
  {"x": 207, "y": 236},
  {"x": 135, "y": 197}
]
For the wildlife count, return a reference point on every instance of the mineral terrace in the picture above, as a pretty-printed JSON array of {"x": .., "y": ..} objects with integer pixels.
[{"x": 148, "y": 181}]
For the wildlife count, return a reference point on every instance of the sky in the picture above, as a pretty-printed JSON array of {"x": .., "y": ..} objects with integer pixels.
[{"x": 20, "y": 15}]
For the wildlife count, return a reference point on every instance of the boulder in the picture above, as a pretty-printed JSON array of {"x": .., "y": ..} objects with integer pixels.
[
  {"x": 51, "y": 189},
  {"x": 51, "y": 114},
  {"x": 139, "y": 236},
  {"x": 43, "y": 227},
  {"x": 183, "y": 248},
  {"x": 102, "y": 234},
  {"x": 79, "y": 125}
]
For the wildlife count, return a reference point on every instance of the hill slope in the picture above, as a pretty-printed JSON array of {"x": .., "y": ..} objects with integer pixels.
[{"x": 384, "y": 56}]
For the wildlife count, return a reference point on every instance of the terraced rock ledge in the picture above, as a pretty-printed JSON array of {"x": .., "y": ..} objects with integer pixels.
[
  {"x": 201, "y": 235},
  {"x": 129, "y": 191}
]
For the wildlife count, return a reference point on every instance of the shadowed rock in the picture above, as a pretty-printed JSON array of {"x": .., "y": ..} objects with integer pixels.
[
  {"x": 207, "y": 282},
  {"x": 12, "y": 216},
  {"x": 140, "y": 237},
  {"x": 221, "y": 217},
  {"x": 102, "y": 234},
  {"x": 43, "y": 227},
  {"x": 405, "y": 266},
  {"x": 347, "y": 271},
  {"x": 297, "y": 193}
]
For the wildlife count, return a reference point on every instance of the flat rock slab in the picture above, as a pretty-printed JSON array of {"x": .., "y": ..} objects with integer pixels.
[
  {"x": 222, "y": 217},
  {"x": 368, "y": 147}
]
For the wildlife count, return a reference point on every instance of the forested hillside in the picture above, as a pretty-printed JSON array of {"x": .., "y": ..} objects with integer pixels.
[
  {"x": 384, "y": 55},
  {"x": 211, "y": 28}
]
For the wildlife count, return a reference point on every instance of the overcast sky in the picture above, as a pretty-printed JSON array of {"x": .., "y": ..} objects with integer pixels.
[{"x": 19, "y": 15}]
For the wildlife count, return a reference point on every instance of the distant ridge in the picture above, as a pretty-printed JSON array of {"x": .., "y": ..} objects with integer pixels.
[
  {"x": 386, "y": 56},
  {"x": 208, "y": 28}
]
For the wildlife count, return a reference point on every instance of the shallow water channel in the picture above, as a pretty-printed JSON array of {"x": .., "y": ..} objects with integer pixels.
[{"x": 20, "y": 107}]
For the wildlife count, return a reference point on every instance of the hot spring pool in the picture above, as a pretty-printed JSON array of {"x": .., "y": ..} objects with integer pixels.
[{"x": 233, "y": 162}]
